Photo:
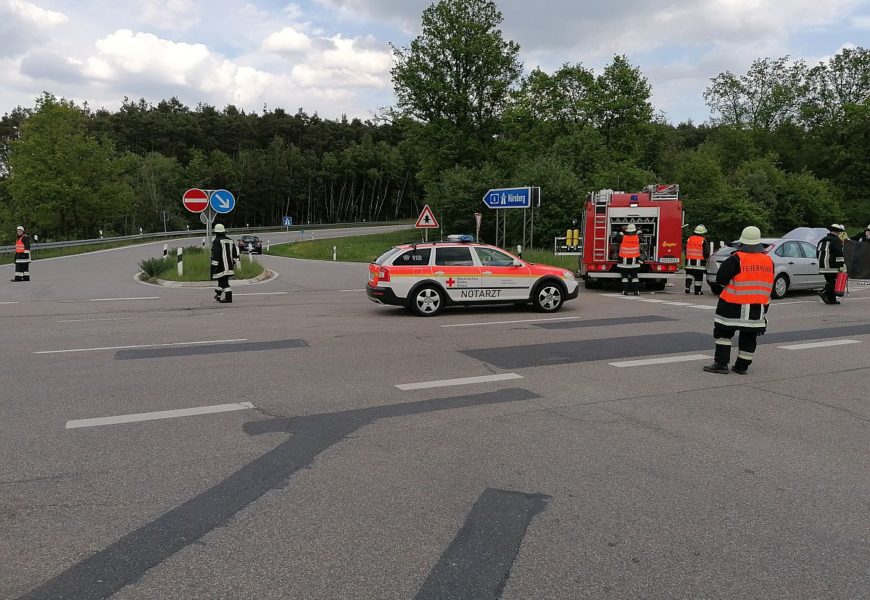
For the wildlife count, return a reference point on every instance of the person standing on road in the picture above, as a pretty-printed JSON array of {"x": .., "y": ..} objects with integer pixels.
[
  {"x": 831, "y": 261},
  {"x": 697, "y": 253},
  {"x": 22, "y": 255},
  {"x": 746, "y": 278},
  {"x": 224, "y": 255},
  {"x": 629, "y": 260}
]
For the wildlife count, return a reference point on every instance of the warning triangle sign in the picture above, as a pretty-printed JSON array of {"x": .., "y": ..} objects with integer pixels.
[{"x": 427, "y": 219}]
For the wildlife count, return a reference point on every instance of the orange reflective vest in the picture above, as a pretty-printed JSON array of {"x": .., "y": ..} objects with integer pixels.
[
  {"x": 695, "y": 248},
  {"x": 630, "y": 246},
  {"x": 19, "y": 246},
  {"x": 754, "y": 282}
]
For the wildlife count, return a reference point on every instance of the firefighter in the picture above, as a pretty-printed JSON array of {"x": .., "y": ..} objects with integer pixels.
[
  {"x": 746, "y": 278},
  {"x": 831, "y": 261},
  {"x": 697, "y": 253},
  {"x": 224, "y": 255},
  {"x": 629, "y": 260},
  {"x": 22, "y": 255}
]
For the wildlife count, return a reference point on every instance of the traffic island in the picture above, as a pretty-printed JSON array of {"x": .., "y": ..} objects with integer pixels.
[{"x": 191, "y": 267}]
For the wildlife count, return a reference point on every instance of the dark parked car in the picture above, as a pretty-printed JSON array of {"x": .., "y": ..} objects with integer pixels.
[{"x": 253, "y": 241}]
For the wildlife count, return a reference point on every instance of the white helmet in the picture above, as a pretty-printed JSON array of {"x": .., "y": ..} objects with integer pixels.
[
  {"x": 751, "y": 236},
  {"x": 836, "y": 227},
  {"x": 19, "y": 228},
  {"x": 700, "y": 230},
  {"x": 631, "y": 228},
  {"x": 219, "y": 228}
]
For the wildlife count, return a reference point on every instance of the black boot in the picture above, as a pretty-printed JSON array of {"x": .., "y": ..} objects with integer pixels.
[
  {"x": 228, "y": 298},
  {"x": 720, "y": 368},
  {"x": 699, "y": 292}
]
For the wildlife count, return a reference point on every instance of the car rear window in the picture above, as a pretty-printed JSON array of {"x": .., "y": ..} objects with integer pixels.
[
  {"x": 386, "y": 256},
  {"x": 414, "y": 257}
]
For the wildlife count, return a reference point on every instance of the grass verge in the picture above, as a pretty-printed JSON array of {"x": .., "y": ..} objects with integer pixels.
[
  {"x": 197, "y": 267},
  {"x": 366, "y": 248}
]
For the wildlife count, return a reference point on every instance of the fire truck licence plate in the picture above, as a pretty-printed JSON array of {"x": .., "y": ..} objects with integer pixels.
[{"x": 666, "y": 261}]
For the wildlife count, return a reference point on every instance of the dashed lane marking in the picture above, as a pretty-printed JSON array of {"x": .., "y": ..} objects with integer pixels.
[
  {"x": 665, "y": 302},
  {"x": 659, "y": 361},
  {"x": 819, "y": 344},
  {"x": 162, "y": 414},
  {"x": 90, "y": 320},
  {"x": 462, "y": 381},
  {"x": 140, "y": 346},
  {"x": 509, "y": 322},
  {"x": 8, "y": 302},
  {"x": 120, "y": 299},
  {"x": 260, "y": 293},
  {"x": 359, "y": 290}
]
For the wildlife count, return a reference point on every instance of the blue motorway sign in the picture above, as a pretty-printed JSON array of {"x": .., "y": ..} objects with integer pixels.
[
  {"x": 222, "y": 201},
  {"x": 287, "y": 221},
  {"x": 509, "y": 198}
]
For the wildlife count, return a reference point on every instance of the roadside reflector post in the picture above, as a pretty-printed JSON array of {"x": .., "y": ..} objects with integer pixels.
[
  {"x": 140, "y": 231},
  {"x": 165, "y": 250},
  {"x": 250, "y": 252},
  {"x": 519, "y": 251},
  {"x": 203, "y": 242},
  {"x": 333, "y": 253},
  {"x": 268, "y": 243},
  {"x": 180, "y": 262},
  {"x": 101, "y": 234}
]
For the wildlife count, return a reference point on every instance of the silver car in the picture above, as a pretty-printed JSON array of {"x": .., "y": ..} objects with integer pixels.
[{"x": 794, "y": 262}]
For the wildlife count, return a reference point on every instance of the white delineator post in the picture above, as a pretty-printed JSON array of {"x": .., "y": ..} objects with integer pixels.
[
  {"x": 180, "y": 262},
  {"x": 165, "y": 250},
  {"x": 250, "y": 253},
  {"x": 268, "y": 243},
  {"x": 333, "y": 253}
]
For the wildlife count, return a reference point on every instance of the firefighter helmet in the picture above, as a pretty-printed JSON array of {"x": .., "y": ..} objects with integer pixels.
[
  {"x": 700, "y": 230},
  {"x": 19, "y": 228},
  {"x": 219, "y": 228},
  {"x": 836, "y": 227},
  {"x": 751, "y": 236},
  {"x": 631, "y": 228}
]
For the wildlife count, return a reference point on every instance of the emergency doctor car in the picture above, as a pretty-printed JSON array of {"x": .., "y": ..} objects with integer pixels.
[{"x": 427, "y": 276}]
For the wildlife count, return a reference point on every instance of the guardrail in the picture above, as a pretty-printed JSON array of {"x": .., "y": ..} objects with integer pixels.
[{"x": 168, "y": 235}]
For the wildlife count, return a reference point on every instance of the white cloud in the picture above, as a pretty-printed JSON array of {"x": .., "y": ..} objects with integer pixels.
[
  {"x": 169, "y": 14},
  {"x": 24, "y": 25},
  {"x": 287, "y": 41}
]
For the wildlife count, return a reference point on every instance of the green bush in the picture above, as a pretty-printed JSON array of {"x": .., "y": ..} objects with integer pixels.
[{"x": 152, "y": 267}]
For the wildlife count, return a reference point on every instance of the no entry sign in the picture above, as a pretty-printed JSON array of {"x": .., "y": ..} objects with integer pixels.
[{"x": 195, "y": 200}]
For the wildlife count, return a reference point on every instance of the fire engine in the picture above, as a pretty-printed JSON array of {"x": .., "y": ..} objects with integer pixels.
[{"x": 656, "y": 211}]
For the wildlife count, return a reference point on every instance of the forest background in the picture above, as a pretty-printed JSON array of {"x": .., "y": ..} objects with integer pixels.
[{"x": 787, "y": 144}]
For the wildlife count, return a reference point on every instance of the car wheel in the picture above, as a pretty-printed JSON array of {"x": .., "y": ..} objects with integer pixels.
[
  {"x": 780, "y": 286},
  {"x": 427, "y": 301},
  {"x": 549, "y": 297}
]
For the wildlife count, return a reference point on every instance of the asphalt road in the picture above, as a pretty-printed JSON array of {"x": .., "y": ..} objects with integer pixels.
[{"x": 336, "y": 469}]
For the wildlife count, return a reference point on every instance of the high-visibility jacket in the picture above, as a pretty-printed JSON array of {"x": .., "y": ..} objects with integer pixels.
[
  {"x": 630, "y": 246},
  {"x": 695, "y": 248},
  {"x": 754, "y": 282},
  {"x": 22, "y": 249}
]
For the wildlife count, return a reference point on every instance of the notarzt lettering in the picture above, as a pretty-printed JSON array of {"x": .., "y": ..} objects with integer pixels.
[{"x": 479, "y": 293}]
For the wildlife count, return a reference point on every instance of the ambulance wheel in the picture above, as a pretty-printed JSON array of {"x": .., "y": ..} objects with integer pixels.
[
  {"x": 427, "y": 301},
  {"x": 548, "y": 297},
  {"x": 780, "y": 287}
]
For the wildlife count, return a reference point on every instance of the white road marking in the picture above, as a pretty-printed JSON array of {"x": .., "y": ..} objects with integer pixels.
[
  {"x": 141, "y": 346},
  {"x": 359, "y": 290},
  {"x": 117, "y": 299},
  {"x": 680, "y": 304},
  {"x": 794, "y": 302},
  {"x": 89, "y": 320},
  {"x": 654, "y": 301},
  {"x": 509, "y": 322},
  {"x": 163, "y": 414},
  {"x": 819, "y": 344},
  {"x": 260, "y": 293},
  {"x": 8, "y": 302},
  {"x": 463, "y": 381},
  {"x": 659, "y": 361},
  {"x": 668, "y": 302}
]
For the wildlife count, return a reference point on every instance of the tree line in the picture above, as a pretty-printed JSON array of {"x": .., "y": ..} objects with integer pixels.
[{"x": 787, "y": 144}]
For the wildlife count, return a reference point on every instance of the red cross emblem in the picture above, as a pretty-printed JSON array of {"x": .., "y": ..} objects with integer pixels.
[{"x": 450, "y": 282}]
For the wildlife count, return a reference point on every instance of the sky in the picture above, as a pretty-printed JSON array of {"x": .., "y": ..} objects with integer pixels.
[{"x": 333, "y": 57}]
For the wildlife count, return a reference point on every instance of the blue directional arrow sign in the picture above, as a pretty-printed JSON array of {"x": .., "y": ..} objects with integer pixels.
[
  {"x": 287, "y": 221},
  {"x": 509, "y": 198},
  {"x": 222, "y": 201}
]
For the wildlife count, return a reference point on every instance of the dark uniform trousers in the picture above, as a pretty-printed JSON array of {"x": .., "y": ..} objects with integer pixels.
[
  {"x": 746, "y": 344},
  {"x": 628, "y": 268}
]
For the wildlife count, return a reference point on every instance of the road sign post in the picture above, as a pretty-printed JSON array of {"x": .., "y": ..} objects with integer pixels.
[{"x": 426, "y": 221}]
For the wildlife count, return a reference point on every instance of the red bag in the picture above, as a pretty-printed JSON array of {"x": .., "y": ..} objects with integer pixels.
[{"x": 840, "y": 284}]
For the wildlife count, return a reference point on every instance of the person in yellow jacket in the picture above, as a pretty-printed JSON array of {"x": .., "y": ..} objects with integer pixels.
[
  {"x": 746, "y": 278},
  {"x": 697, "y": 253},
  {"x": 629, "y": 260}
]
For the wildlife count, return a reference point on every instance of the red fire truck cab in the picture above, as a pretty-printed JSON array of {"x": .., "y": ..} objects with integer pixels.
[{"x": 656, "y": 211}]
